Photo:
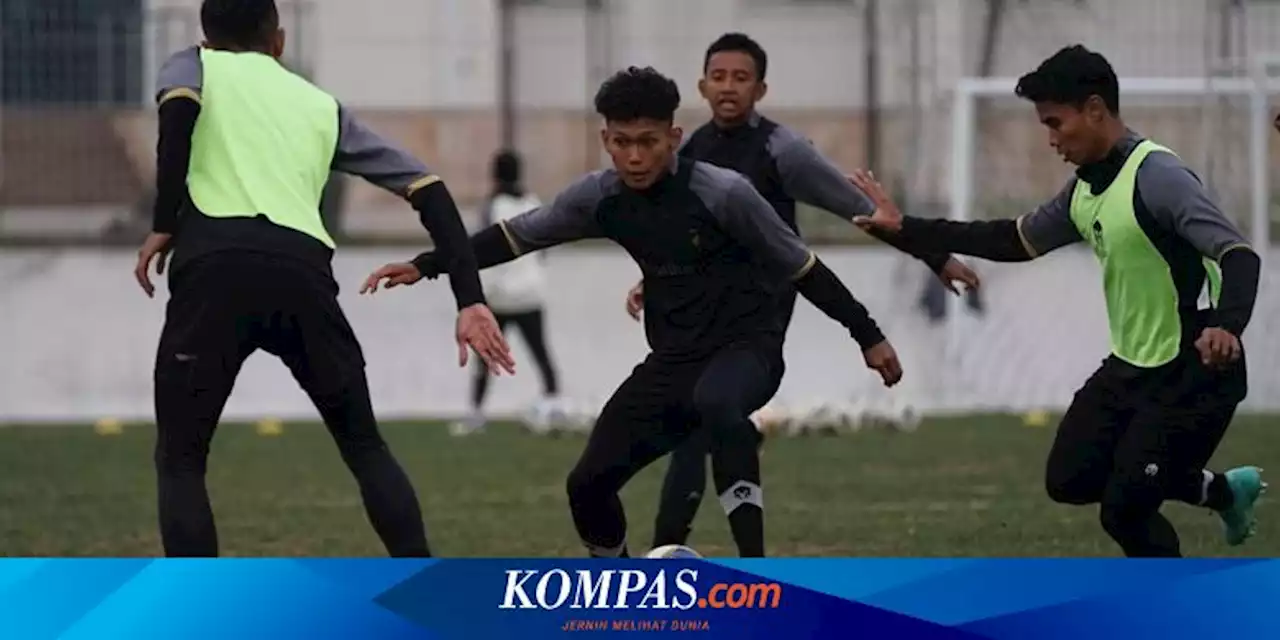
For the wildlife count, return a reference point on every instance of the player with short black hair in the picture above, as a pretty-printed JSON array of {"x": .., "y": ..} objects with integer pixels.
[
  {"x": 786, "y": 169},
  {"x": 715, "y": 257},
  {"x": 1142, "y": 428},
  {"x": 244, "y": 152}
]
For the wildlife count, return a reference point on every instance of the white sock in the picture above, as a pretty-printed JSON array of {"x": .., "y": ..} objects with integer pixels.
[
  {"x": 742, "y": 492},
  {"x": 1204, "y": 486}
]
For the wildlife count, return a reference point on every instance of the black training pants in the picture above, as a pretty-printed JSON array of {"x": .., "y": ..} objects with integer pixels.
[
  {"x": 1132, "y": 439},
  {"x": 657, "y": 408},
  {"x": 222, "y": 308},
  {"x": 532, "y": 327}
]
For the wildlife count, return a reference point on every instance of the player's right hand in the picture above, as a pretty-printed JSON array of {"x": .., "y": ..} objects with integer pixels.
[
  {"x": 395, "y": 274},
  {"x": 155, "y": 247},
  {"x": 882, "y": 359},
  {"x": 478, "y": 330},
  {"x": 887, "y": 217},
  {"x": 1218, "y": 347},
  {"x": 635, "y": 301}
]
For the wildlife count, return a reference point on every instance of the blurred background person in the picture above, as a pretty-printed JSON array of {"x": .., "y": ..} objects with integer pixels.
[{"x": 516, "y": 293}]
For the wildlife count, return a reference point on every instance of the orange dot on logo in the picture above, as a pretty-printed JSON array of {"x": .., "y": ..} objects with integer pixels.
[{"x": 702, "y": 602}]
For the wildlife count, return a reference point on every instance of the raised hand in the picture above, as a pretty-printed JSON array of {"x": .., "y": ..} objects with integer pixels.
[{"x": 887, "y": 217}]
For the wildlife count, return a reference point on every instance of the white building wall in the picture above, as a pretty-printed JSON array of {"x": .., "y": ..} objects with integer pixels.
[{"x": 443, "y": 53}]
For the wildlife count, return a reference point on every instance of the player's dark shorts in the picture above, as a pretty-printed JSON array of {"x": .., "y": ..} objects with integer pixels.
[
  {"x": 226, "y": 305},
  {"x": 662, "y": 403},
  {"x": 1127, "y": 424}
]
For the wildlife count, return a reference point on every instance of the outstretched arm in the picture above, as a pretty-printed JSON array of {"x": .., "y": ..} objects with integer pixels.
[
  {"x": 812, "y": 179},
  {"x": 364, "y": 153},
  {"x": 569, "y": 217},
  {"x": 1010, "y": 240},
  {"x": 751, "y": 220}
]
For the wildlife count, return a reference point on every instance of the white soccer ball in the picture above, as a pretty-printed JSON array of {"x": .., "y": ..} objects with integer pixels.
[{"x": 673, "y": 552}]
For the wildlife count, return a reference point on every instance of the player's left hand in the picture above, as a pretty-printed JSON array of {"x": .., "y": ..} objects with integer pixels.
[
  {"x": 155, "y": 247},
  {"x": 955, "y": 271},
  {"x": 887, "y": 217},
  {"x": 395, "y": 274},
  {"x": 1218, "y": 347}
]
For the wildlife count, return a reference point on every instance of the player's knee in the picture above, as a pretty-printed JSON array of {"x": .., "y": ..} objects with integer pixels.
[
  {"x": 720, "y": 412},
  {"x": 585, "y": 486},
  {"x": 1069, "y": 491},
  {"x": 1067, "y": 484}
]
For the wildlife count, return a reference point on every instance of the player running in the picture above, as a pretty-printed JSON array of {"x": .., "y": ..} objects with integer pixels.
[
  {"x": 1141, "y": 429},
  {"x": 715, "y": 257},
  {"x": 244, "y": 152},
  {"x": 785, "y": 168}
]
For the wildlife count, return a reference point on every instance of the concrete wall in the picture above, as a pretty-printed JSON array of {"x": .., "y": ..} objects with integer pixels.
[
  {"x": 441, "y": 54},
  {"x": 78, "y": 339}
]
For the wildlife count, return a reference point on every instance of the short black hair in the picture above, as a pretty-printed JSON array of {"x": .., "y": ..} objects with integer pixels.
[
  {"x": 506, "y": 167},
  {"x": 1071, "y": 76},
  {"x": 638, "y": 94},
  {"x": 741, "y": 43},
  {"x": 240, "y": 23}
]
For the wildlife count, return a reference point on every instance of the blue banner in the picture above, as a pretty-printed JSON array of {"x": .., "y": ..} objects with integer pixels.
[{"x": 473, "y": 599}]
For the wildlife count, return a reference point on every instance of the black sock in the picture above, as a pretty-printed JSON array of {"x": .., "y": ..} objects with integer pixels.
[
  {"x": 1203, "y": 489},
  {"x": 1218, "y": 494},
  {"x": 747, "y": 524},
  {"x": 598, "y": 516},
  {"x": 682, "y": 490},
  {"x": 186, "y": 518},
  {"x": 1141, "y": 532},
  {"x": 741, "y": 496}
]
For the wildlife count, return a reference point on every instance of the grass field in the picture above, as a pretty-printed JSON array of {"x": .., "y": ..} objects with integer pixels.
[{"x": 967, "y": 487}]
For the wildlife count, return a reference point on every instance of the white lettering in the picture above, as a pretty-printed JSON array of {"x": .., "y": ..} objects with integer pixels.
[
  {"x": 587, "y": 590},
  {"x": 685, "y": 579},
  {"x": 515, "y": 589},
  {"x": 633, "y": 581},
  {"x": 657, "y": 591},
  {"x": 541, "y": 591}
]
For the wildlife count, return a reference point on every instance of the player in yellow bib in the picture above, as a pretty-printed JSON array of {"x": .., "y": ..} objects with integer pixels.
[
  {"x": 244, "y": 151},
  {"x": 1141, "y": 429}
]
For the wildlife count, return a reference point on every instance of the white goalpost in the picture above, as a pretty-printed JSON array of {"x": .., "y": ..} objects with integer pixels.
[
  {"x": 1258, "y": 88},
  {"x": 1044, "y": 330}
]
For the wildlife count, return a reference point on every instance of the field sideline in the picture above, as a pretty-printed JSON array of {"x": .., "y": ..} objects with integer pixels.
[{"x": 963, "y": 487}]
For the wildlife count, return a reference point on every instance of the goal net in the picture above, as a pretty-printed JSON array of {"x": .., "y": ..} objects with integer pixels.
[{"x": 1043, "y": 327}]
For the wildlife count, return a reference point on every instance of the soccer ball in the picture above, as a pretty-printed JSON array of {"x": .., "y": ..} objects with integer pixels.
[{"x": 673, "y": 552}]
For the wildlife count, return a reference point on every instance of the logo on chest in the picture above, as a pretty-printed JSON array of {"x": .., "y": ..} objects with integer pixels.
[{"x": 1099, "y": 241}]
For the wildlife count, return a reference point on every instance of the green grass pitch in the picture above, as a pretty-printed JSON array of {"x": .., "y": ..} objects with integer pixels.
[{"x": 963, "y": 487}]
